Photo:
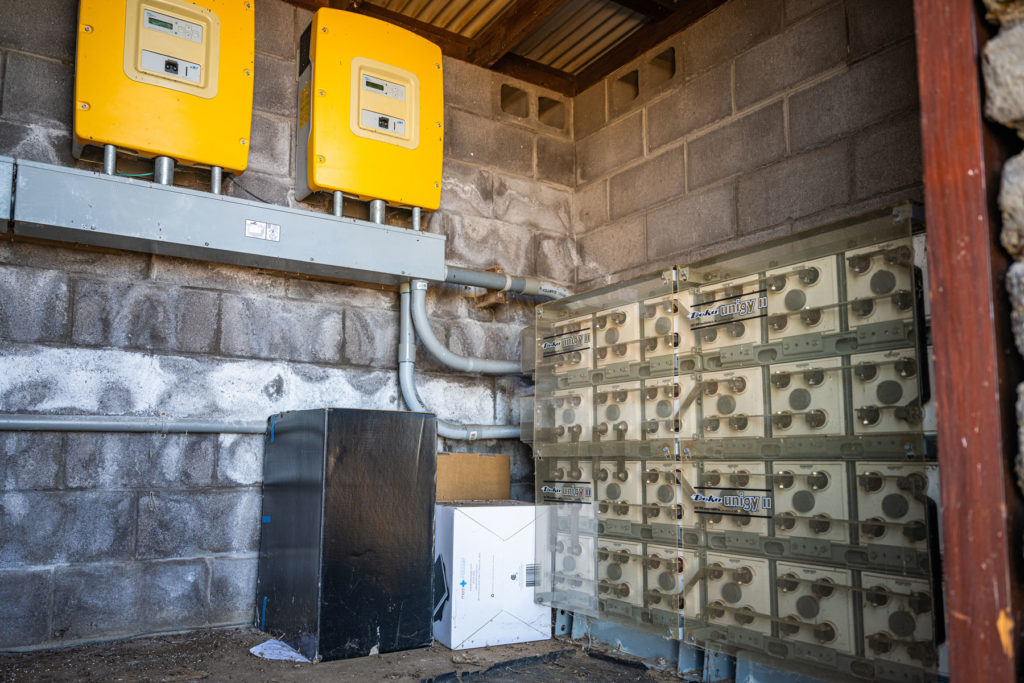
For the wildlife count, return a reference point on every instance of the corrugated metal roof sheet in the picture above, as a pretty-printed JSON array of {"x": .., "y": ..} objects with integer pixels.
[
  {"x": 465, "y": 17},
  {"x": 574, "y": 36},
  {"x": 578, "y": 33}
]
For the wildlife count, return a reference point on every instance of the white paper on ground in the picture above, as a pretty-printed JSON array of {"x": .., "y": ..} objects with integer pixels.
[{"x": 275, "y": 649}]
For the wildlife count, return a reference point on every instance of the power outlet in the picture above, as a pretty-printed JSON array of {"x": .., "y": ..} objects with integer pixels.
[
  {"x": 617, "y": 335},
  {"x": 886, "y": 392},
  {"x": 807, "y": 398},
  {"x": 732, "y": 479},
  {"x": 880, "y": 282},
  {"x": 892, "y": 503},
  {"x": 664, "y": 414},
  {"x": 898, "y": 620},
  {"x": 738, "y": 591},
  {"x": 620, "y": 569},
  {"x": 802, "y": 299},
  {"x": 733, "y": 404},
  {"x": 815, "y": 606},
  {"x": 811, "y": 500},
  {"x": 617, "y": 412},
  {"x": 669, "y": 571},
  {"x": 739, "y": 319}
]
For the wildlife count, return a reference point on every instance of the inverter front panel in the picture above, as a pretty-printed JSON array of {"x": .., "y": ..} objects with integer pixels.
[
  {"x": 167, "y": 78},
  {"x": 370, "y": 111}
]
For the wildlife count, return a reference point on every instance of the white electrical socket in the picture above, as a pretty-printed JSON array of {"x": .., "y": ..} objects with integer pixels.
[
  {"x": 880, "y": 282},
  {"x": 663, "y": 417},
  {"x": 815, "y": 605},
  {"x": 807, "y": 398},
  {"x": 731, "y": 479},
  {"x": 738, "y": 591},
  {"x": 898, "y": 619},
  {"x": 620, "y": 571},
  {"x": 620, "y": 490},
  {"x": 617, "y": 335},
  {"x": 739, "y": 320},
  {"x": 891, "y": 503},
  {"x": 733, "y": 404},
  {"x": 666, "y": 486},
  {"x": 669, "y": 570},
  {"x": 617, "y": 412},
  {"x": 572, "y": 419},
  {"x": 580, "y": 355},
  {"x": 802, "y": 298},
  {"x": 666, "y": 330},
  {"x": 886, "y": 392},
  {"x": 811, "y": 500}
]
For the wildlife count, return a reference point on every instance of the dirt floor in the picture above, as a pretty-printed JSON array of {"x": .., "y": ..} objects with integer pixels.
[{"x": 223, "y": 655}]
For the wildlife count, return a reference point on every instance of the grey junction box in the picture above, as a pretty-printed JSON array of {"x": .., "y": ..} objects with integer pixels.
[{"x": 52, "y": 202}]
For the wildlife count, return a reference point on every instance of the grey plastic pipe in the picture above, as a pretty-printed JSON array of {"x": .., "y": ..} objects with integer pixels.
[
  {"x": 505, "y": 283},
  {"x": 441, "y": 352},
  {"x": 407, "y": 382},
  {"x": 126, "y": 423}
]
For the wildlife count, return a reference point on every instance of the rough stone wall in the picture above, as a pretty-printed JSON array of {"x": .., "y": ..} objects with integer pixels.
[
  {"x": 1003, "y": 72},
  {"x": 107, "y": 535},
  {"x": 765, "y": 117}
]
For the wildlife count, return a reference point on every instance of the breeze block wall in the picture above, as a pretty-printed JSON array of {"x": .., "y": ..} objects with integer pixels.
[
  {"x": 763, "y": 118},
  {"x": 114, "y": 534}
]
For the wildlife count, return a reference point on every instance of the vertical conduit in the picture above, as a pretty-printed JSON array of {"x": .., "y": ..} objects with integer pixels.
[{"x": 163, "y": 170}]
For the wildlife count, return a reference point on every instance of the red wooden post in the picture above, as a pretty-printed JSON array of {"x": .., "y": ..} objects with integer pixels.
[{"x": 975, "y": 360}]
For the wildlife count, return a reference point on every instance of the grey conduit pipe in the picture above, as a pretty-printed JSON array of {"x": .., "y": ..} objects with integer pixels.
[
  {"x": 407, "y": 382},
  {"x": 127, "y": 423},
  {"x": 441, "y": 352},
  {"x": 504, "y": 283}
]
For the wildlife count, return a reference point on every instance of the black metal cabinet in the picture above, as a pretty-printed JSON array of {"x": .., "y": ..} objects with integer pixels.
[{"x": 347, "y": 531}]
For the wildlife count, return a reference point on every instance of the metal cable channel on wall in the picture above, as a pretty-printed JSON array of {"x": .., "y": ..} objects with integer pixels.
[{"x": 136, "y": 215}]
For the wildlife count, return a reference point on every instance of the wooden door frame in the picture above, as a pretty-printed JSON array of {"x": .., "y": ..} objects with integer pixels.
[{"x": 976, "y": 364}]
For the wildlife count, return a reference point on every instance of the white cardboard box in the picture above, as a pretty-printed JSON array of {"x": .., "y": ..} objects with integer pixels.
[{"x": 484, "y": 574}]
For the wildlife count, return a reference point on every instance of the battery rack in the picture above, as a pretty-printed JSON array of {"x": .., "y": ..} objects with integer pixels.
[{"x": 736, "y": 453}]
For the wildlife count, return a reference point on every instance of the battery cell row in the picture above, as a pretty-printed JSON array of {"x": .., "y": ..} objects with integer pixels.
[
  {"x": 872, "y": 393},
  {"x": 854, "y": 612},
  {"x": 869, "y": 288}
]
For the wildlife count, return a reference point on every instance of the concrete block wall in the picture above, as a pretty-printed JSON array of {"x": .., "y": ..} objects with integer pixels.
[
  {"x": 780, "y": 115},
  {"x": 766, "y": 116},
  {"x": 110, "y": 535}
]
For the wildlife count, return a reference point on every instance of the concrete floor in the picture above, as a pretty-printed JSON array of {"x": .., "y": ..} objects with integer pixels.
[{"x": 218, "y": 655}]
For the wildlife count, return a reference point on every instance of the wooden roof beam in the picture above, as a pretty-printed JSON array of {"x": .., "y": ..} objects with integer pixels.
[
  {"x": 643, "y": 40},
  {"x": 451, "y": 44},
  {"x": 534, "y": 72},
  {"x": 509, "y": 29},
  {"x": 649, "y": 8}
]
